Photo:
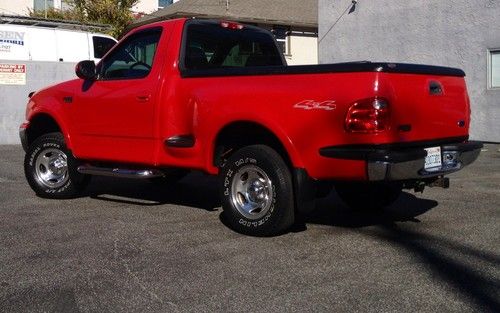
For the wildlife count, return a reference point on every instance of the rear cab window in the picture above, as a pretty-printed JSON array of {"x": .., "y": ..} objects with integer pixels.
[{"x": 217, "y": 45}]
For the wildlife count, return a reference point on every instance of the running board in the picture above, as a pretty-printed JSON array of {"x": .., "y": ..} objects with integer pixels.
[{"x": 119, "y": 172}]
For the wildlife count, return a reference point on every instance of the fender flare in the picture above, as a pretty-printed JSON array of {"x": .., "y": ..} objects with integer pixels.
[
  {"x": 58, "y": 119},
  {"x": 271, "y": 127}
]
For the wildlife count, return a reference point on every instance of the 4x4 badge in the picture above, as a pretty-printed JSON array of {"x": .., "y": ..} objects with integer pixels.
[{"x": 315, "y": 105}]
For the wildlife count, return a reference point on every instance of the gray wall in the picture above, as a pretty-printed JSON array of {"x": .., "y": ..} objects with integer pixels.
[
  {"x": 452, "y": 33},
  {"x": 13, "y": 99}
]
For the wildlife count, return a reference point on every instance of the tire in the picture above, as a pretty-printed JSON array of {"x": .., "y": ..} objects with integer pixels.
[
  {"x": 257, "y": 192},
  {"x": 366, "y": 196},
  {"x": 50, "y": 168}
]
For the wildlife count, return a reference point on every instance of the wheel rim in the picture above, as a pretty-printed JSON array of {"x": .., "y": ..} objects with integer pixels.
[
  {"x": 251, "y": 192},
  {"x": 51, "y": 168}
]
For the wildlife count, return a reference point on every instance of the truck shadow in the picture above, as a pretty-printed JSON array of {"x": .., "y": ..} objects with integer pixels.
[
  {"x": 463, "y": 268},
  {"x": 332, "y": 211},
  {"x": 201, "y": 191},
  {"x": 195, "y": 190}
]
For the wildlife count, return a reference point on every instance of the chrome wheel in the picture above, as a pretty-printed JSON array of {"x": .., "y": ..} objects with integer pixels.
[
  {"x": 51, "y": 168},
  {"x": 251, "y": 192}
]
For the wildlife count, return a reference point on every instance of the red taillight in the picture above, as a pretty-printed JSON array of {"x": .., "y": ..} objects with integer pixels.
[
  {"x": 368, "y": 116},
  {"x": 231, "y": 25}
]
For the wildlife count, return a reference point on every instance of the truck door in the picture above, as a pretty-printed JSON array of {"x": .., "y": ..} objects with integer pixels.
[{"x": 113, "y": 116}]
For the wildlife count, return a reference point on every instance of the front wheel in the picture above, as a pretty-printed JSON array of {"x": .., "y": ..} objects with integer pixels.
[
  {"x": 257, "y": 192},
  {"x": 50, "y": 168}
]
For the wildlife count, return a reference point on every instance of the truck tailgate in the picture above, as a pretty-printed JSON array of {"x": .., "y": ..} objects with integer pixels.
[{"x": 427, "y": 107}]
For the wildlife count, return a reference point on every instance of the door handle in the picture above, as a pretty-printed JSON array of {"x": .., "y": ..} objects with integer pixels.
[{"x": 143, "y": 98}]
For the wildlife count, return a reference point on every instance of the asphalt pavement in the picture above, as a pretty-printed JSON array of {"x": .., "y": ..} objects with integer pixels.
[{"x": 129, "y": 246}]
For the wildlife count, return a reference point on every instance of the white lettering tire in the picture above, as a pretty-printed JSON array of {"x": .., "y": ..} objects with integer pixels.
[{"x": 257, "y": 192}]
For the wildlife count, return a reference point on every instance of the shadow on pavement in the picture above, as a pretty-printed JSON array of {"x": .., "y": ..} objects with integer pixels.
[
  {"x": 332, "y": 211},
  {"x": 195, "y": 190},
  {"x": 442, "y": 257}
]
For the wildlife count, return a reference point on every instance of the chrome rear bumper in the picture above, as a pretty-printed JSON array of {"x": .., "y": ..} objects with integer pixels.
[
  {"x": 398, "y": 164},
  {"x": 455, "y": 157}
]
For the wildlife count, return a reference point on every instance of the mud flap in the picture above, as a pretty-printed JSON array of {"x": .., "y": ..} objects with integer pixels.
[{"x": 304, "y": 192}]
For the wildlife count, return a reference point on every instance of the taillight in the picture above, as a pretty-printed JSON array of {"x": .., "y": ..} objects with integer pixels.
[
  {"x": 231, "y": 25},
  {"x": 368, "y": 116}
]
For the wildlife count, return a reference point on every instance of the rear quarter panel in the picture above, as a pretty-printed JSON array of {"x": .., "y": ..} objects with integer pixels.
[
  {"x": 209, "y": 104},
  {"x": 277, "y": 103}
]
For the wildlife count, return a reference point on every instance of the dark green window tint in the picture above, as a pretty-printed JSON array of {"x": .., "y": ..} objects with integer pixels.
[
  {"x": 133, "y": 58},
  {"x": 212, "y": 46}
]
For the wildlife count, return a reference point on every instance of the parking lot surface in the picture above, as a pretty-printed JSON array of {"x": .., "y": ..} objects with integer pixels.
[{"x": 138, "y": 247}]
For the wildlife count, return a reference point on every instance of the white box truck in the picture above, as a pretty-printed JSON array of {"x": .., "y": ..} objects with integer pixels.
[{"x": 27, "y": 40}]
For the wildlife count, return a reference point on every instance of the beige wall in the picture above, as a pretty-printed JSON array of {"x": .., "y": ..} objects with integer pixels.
[
  {"x": 147, "y": 6},
  {"x": 302, "y": 50},
  {"x": 15, "y": 7},
  {"x": 21, "y": 7}
]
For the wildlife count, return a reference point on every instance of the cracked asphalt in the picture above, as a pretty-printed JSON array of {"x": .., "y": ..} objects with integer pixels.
[{"x": 137, "y": 247}]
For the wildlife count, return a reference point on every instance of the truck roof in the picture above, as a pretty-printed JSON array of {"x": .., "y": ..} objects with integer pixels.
[{"x": 52, "y": 23}]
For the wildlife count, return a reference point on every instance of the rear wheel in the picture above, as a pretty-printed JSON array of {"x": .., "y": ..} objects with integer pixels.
[
  {"x": 368, "y": 196},
  {"x": 50, "y": 168},
  {"x": 257, "y": 192}
]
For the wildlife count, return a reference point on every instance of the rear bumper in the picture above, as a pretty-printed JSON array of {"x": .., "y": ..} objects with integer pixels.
[{"x": 395, "y": 164}]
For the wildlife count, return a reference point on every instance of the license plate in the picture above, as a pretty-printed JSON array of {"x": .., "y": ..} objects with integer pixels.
[{"x": 433, "y": 158}]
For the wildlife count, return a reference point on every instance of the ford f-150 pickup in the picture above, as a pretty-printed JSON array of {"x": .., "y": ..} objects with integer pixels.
[{"x": 217, "y": 96}]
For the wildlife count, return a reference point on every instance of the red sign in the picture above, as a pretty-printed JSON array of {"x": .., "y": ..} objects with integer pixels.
[{"x": 12, "y": 74}]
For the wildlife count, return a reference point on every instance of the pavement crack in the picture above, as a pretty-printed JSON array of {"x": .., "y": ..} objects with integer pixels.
[{"x": 136, "y": 278}]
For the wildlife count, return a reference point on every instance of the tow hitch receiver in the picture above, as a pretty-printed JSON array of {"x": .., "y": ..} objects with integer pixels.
[
  {"x": 419, "y": 186},
  {"x": 443, "y": 182}
]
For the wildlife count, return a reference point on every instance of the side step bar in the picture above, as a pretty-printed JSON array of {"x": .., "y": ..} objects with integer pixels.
[{"x": 119, "y": 172}]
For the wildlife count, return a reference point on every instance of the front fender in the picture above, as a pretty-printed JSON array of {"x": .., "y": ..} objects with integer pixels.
[{"x": 53, "y": 112}]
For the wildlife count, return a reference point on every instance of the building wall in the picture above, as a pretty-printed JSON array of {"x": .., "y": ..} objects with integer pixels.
[
  {"x": 147, "y": 6},
  {"x": 17, "y": 7},
  {"x": 15, "y": 97},
  {"x": 301, "y": 44},
  {"x": 20, "y": 7},
  {"x": 302, "y": 50},
  {"x": 454, "y": 33}
]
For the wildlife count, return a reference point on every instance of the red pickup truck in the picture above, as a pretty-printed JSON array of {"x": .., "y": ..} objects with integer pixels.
[{"x": 217, "y": 96}]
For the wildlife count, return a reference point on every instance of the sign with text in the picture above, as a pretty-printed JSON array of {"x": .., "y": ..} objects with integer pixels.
[{"x": 12, "y": 74}]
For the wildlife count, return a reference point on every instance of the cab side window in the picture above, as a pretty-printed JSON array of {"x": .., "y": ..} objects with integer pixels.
[{"x": 133, "y": 58}]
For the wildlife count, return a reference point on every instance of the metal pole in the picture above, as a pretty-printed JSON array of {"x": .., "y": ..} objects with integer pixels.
[{"x": 45, "y": 8}]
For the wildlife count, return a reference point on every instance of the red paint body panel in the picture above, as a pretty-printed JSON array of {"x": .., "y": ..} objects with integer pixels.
[{"x": 106, "y": 122}]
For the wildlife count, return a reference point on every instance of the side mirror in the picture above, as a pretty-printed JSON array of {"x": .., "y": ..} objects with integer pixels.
[{"x": 86, "y": 70}]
